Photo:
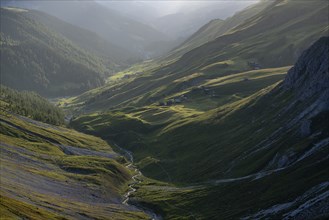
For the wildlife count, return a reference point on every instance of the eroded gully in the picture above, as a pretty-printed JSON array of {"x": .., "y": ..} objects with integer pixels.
[{"x": 136, "y": 179}]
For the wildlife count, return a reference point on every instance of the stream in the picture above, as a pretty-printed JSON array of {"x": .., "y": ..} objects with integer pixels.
[{"x": 136, "y": 179}]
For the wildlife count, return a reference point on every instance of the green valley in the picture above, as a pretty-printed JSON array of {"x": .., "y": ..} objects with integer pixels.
[
  {"x": 245, "y": 143},
  {"x": 233, "y": 123},
  {"x": 241, "y": 49}
]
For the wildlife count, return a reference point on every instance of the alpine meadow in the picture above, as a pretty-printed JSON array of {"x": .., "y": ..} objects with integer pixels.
[{"x": 164, "y": 110}]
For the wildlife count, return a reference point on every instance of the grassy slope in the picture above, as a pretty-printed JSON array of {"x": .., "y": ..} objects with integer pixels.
[
  {"x": 215, "y": 29},
  {"x": 272, "y": 42},
  {"x": 240, "y": 136},
  {"x": 153, "y": 125},
  {"x": 260, "y": 38},
  {"x": 238, "y": 199},
  {"x": 155, "y": 128},
  {"x": 256, "y": 159},
  {"x": 223, "y": 90},
  {"x": 205, "y": 34},
  {"x": 57, "y": 173},
  {"x": 234, "y": 140},
  {"x": 36, "y": 58}
]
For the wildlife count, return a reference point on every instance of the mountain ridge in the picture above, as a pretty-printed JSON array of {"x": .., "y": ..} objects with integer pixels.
[
  {"x": 249, "y": 46},
  {"x": 34, "y": 57},
  {"x": 109, "y": 24},
  {"x": 85, "y": 39},
  {"x": 232, "y": 124}
]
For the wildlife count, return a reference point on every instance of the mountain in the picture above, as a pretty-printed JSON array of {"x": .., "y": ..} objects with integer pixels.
[
  {"x": 258, "y": 43},
  {"x": 279, "y": 136},
  {"x": 254, "y": 39},
  {"x": 215, "y": 28},
  {"x": 185, "y": 22},
  {"x": 177, "y": 19},
  {"x": 141, "y": 11},
  {"x": 233, "y": 124},
  {"x": 34, "y": 57},
  {"x": 109, "y": 24},
  {"x": 250, "y": 156},
  {"x": 113, "y": 56}
]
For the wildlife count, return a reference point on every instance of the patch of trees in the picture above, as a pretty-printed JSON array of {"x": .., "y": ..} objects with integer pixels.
[{"x": 31, "y": 105}]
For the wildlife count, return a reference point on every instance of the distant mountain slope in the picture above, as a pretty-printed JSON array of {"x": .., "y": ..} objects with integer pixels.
[
  {"x": 133, "y": 9},
  {"x": 261, "y": 42},
  {"x": 107, "y": 23},
  {"x": 216, "y": 28},
  {"x": 270, "y": 42},
  {"x": 33, "y": 57},
  {"x": 113, "y": 55},
  {"x": 185, "y": 22}
]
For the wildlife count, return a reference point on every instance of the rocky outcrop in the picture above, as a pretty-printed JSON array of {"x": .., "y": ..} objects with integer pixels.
[
  {"x": 310, "y": 75},
  {"x": 309, "y": 80}
]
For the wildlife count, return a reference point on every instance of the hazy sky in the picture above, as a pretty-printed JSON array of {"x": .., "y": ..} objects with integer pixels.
[
  {"x": 168, "y": 7},
  {"x": 173, "y": 6}
]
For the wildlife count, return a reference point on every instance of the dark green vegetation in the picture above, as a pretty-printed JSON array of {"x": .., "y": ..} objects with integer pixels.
[
  {"x": 33, "y": 57},
  {"x": 50, "y": 172},
  {"x": 31, "y": 105}
]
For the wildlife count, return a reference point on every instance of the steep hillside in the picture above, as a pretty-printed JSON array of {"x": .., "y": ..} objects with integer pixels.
[
  {"x": 111, "y": 54},
  {"x": 270, "y": 42},
  {"x": 285, "y": 146},
  {"x": 33, "y": 57},
  {"x": 261, "y": 42},
  {"x": 216, "y": 28},
  {"x": 111, "y": 25},
  {"x": 235, "y": 137},
  {"x": 245, "y": 158},
  {"x": 50, "y": 172},
  {"x": 184, "y": 23}
]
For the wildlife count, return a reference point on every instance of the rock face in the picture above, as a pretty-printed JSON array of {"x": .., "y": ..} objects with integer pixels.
[{"x": 310, "y": 75}]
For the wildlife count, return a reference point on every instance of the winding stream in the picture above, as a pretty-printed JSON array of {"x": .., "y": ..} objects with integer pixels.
[{"x": 136, "y": 179}]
